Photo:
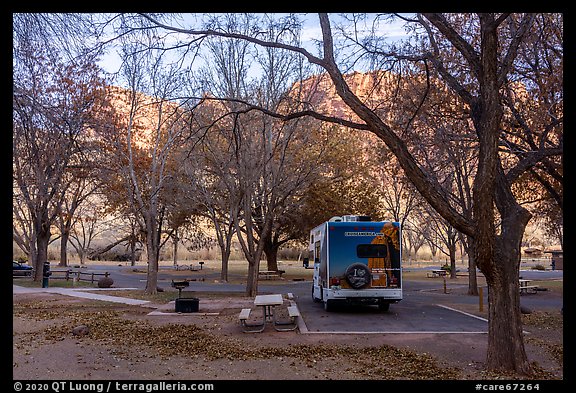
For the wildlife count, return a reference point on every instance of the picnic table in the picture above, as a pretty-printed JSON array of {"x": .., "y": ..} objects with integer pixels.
[
  {"x": 437, "y": 273},
  {"x": 268, "y": 304},
  {"x": 524, "y": 287},
  {"x": 269, "y": 274}
]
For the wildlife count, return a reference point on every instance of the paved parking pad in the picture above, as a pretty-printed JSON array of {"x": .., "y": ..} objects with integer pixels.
[{"x": 407, "y": 316}]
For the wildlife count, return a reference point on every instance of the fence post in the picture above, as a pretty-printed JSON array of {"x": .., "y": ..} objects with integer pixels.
[{"x": 480, "y": 299}]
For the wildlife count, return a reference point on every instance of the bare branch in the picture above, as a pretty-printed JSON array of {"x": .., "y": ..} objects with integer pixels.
[
  {"x": 512, "y": 51},
  {"x": 311, "y": 58},
  {"x": 459, "y": 43}
]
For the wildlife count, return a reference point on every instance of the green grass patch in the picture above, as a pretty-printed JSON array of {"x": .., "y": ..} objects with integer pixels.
[
  {"x": 550, "y": 285},
  {"x": 168, "y": 296},
  {"x": 29, "y": 283}
]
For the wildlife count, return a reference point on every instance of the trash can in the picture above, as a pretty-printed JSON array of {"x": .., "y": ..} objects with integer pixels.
[
  {"x": 187, "y": 305},
  {"x": 46, "y": 273}
]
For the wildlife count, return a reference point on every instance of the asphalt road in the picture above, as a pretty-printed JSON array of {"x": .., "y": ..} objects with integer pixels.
[{"x": 424, "y": 308}]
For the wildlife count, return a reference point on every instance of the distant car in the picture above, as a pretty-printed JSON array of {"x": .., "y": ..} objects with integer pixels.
[{"x": 21, "y": 269}]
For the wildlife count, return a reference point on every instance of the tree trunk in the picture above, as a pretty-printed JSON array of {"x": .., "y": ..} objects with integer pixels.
[
  {"x": 153, "y": 249},
  {"x": 42, "y": 240},
  {"x": 506, "y": 340},
  {"x": 272, "y": 258},
  {"x": 472, "y": 277},
  {"x": 224, "y": 269},
  {"x": 110, "y": 246},
  {"x": 152, "y": 276},
  {"x": 452, "y": 252},
  {"x": 175, "y": 249},
  {"x": 224, "y": 238},
  {"x": 271, "y": 251},
  {"x": 65, "y": 235},
  {"x": 133, "y": 251},
  {"x": 252, "y": 284}
]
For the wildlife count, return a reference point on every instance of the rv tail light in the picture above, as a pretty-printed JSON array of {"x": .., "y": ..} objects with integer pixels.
[{"x": 334, "y": 281}]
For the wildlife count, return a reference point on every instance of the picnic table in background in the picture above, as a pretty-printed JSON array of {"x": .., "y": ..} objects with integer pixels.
[
  {"x": 437, "y": 273},
  {"x": 524, "y": 287},
  {"x": 269, "y": 274}
]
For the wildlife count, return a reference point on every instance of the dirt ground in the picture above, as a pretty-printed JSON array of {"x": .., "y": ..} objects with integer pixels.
[{"x": 125, "y": 343}]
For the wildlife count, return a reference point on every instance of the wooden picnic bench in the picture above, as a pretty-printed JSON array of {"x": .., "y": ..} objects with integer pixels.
[
  {"x": 270, "y": 304},
  {"x": 437, "y": 273},
  {"x": 270, "y": 274},
  {"x": 244, "y": 314},
  {"x": 293, "y": 314},
  {"x": 250, "y": 327},
  {"x": 525, "y": 288}
]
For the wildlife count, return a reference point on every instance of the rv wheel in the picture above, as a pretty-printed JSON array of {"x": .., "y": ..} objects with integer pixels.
[
  {"x": 358, "y": 275},
  {"x": 383, "y": 306},
  {"x": 329, "y": 305}
]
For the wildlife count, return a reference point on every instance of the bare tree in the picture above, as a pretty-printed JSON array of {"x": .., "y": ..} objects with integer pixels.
[
  {"x": 22, "y": 228},
  {"x": 81, "y": 186},
  {"x": 61, "y": 35},
  {"x": 149, "y": 128},
  {"x": 53, "y": 105},
  {"x": 86, "y": 226},
  {"x": 412, "y": 236},
  {"x": 259, "y": 178},
  {"x": 210, "y": 182}
]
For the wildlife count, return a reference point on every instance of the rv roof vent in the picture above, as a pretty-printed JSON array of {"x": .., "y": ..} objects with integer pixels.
[
  {"x": 336, "y": 219},
  {"x": 351, "y": 218}
]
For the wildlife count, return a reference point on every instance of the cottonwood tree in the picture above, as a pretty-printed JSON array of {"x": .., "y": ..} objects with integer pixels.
[
  {"x": 89, "y": 222},
  {"x": 183, "y": 224},
  {"x": 553, "y": 222},
  {"x": 447, "y": 149},
  {"x": 53, "y": 106},
  {"x": 264, "y": 171},
  {"x": 211, "y": 160},
  {"x": 412, "y": 237},
  {"x": 148, "y": 127},
  {"x": 81, "y": 186},
  {"x": 488, "y": 45},
  {"x": 443, "y": 237},
  {"x": 474, "y": 56},
  {"x": 211, "y": 184},
  {"x": 255, "y": 217},
  {"x": 314, "y": 164}
]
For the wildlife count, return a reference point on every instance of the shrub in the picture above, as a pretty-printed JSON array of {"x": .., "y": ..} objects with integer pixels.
[{"x": 105, "y": 282}]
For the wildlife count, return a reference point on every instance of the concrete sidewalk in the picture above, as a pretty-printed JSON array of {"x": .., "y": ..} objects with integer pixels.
[{"x": 79, "y": 292}]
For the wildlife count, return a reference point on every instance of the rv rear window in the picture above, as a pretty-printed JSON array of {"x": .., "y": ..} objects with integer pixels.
[{"x": 371, "y": 250}]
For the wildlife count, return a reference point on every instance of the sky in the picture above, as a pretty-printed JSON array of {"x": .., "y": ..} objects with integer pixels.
[{"x": 311, "y": 31}]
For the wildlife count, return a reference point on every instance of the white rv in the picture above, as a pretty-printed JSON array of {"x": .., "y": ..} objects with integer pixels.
[{"x": 356, "y": 261}]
